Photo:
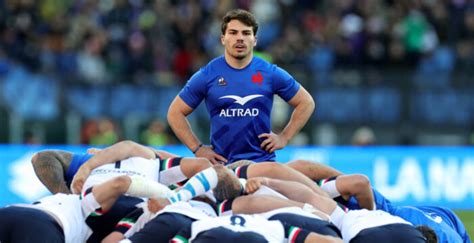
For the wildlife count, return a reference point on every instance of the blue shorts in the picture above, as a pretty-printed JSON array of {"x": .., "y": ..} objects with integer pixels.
[
  {"x": 390, "y": 233},
  {"x": 20, "y": 224},
  {"x": 221, "y": 234},
  {"x": 162, "y": 228},
  {"x": 307, "y": 223}
]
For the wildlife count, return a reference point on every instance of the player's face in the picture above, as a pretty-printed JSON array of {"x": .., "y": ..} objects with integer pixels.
[{"x": 238, "y": 39}]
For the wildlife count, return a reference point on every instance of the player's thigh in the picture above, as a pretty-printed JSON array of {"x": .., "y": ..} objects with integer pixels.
[{"x": 265, "y": 169}]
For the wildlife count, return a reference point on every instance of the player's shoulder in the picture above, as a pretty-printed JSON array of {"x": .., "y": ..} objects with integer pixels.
[
  {"x": 80, "y": 158},
  {"x": 215, "y": 65},
  {"x": 436, "y": 209},
  {"x": 61, "y": 198},
  {"x": 262, "y": 64}
]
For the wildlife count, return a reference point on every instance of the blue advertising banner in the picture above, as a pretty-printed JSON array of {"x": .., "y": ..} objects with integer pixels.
[{"x": 407, "y": 175}]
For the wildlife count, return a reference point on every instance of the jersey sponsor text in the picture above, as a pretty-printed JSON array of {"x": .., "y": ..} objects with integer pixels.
[{"x": 239, "y": 112}]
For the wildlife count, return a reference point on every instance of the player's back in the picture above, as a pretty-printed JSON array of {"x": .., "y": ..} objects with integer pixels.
[
  {"x": 66, "y": 209},
  {"x": 357, "y": 220},
  {"x": 449, "y": 217},
  {"x": 148, "y": 168},
  {"x": 378, "y": 226},
  {"x": 444, "y": 231}
]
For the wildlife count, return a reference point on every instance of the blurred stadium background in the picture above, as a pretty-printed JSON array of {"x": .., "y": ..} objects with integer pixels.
[{"x": 382, "y": 72}]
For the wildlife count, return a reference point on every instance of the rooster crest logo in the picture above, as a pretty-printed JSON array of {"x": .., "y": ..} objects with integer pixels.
[{"x": 257, "y": 78}]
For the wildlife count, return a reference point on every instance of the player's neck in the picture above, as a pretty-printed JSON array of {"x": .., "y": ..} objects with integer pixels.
[{"x": 238, "y": 63}]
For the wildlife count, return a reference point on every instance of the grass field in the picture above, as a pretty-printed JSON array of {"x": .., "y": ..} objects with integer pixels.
[{"x": 467, "y": 218}]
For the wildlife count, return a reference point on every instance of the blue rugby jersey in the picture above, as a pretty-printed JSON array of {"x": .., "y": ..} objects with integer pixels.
[
  {"x": 443, "y": 221},
  {"x": 431, "y": 218},
  {"x": 239, "y": 103},
  {"x": 77, "y": 160}
]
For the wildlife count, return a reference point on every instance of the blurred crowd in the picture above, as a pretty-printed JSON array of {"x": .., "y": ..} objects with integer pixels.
[
  {"x": 137, "y": 41},
  {"x": 162, "y": 42}
]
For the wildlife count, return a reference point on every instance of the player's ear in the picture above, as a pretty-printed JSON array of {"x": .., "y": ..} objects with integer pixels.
[
  {"x": 222, "y": 39},
  {"x": 255, "y": 42}
]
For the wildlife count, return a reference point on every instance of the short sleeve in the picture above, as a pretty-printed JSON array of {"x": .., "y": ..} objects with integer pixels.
[
  {"x": 76, "y": 162},
  {"x": 284, "y": 84},
  {"x": 195, "y": 89}
]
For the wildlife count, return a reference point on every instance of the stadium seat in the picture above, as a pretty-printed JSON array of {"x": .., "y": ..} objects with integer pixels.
[
  {"x": 321, "y": 61},
  {"x": 450, "y": 107},
  {"x": 340, "y": 105},
  {"x": 164, "y": 96},
  {"x": 383, "y": 105},
  {"x": 32, "y": 96},
  {"x": 435, "y": 70},
  {"x": 88, "y": 101}
]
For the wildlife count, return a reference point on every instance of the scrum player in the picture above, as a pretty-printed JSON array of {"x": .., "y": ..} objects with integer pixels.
[
  {"x": 251, "y": 228},
  {"x": 182, "y": 214},
  {"x": 355, "y": 225},
  {"x": 447, "y": 226},
  {"x": 55, "y": 218},
  {"x": 58, "y": 167},
  {"x": 115, "y": 181}
]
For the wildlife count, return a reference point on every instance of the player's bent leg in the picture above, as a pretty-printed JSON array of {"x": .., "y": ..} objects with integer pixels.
[
  {"x": 192, "y": 166},
  {"x": 218, "y": 178},
  {"x": 199, "y": 184},
  {"x": 313, "y": 170},
  {"x": 177, "y": 170}
]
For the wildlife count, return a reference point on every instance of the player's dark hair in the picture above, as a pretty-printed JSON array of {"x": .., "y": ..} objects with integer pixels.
[
  {"x": 428, "y": 233},
  {"x": 241, "y": 15},
  {"x": 228, "y": 185}
]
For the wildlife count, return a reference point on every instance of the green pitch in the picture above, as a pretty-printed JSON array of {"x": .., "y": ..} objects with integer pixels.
[{"x": 467, "y": 218}]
